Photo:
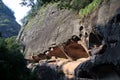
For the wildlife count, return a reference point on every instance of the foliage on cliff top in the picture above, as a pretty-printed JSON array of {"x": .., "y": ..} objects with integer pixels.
[
  {"x": 75, "y": 5},
  {"x": 89, "y": 8}
]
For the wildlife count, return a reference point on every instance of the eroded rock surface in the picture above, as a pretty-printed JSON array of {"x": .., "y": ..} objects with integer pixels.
[{"x": 52, "y": 26}]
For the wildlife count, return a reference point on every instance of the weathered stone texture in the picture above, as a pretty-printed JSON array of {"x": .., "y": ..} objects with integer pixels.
[{"x": 53, "y": 26}]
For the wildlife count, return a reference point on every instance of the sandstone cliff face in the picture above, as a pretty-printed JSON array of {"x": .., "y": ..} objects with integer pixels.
[{"x": 52, "y": 26}]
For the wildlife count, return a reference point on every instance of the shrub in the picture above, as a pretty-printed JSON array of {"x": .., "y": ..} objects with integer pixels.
[
  {"x": 90, "y": 8},
  {"x": 78, "y": 4},
  {"x": 13, "y": 45},
  {"x": 62, "y": 4},
  {"x": 12, "y": 62}
]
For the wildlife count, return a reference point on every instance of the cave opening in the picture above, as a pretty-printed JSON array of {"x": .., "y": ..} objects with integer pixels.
[{"x": 95, "y": 39}]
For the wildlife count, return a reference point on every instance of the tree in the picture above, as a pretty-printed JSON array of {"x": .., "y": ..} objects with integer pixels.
[
  {"x": 12, "y": 62},
  {"x": 13, "y": 45},
  {"x": 28, "y": 3}
]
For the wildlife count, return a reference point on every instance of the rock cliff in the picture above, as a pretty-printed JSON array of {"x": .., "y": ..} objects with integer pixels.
[{"x": 52, "y": 26}]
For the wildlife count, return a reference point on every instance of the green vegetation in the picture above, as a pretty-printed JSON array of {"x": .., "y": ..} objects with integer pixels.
[
  {"x": 8, "y": 21},
  {"x": 73, "y": 4},
  {"x": 62, "y": 4},
  {"x": 12, "y": 62},
  {"x": 1, "y": 25},
  {"x": 89, "y": 8},
  {"x": 13, "y": 45},
  {"x": 82, "y": 7},
  {"x": 6, "y": 10},
  {"x": 4, "y": 21}
]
